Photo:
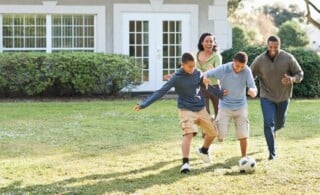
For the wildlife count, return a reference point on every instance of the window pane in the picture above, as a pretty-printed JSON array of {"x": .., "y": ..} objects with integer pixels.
[
  {"x": 41, "y": 42},
  {"x": 67, "y": 20},
  {"x": 56, "y": 42},
  {"x": 30, "y": 42},
  {"x": 18, "y": 42},
  {"x": 25, "y": 31},
  {"x": 79, "y": 42},
  {"x": 18, "y": 20},
  {"x": 30, "y": 21},
  {"x": 41, "y": 31},
  {"x": 56, "y": 20},
  {"x": 89, "y": 31},
  {"x": 78, "y": 20},
  {"x": 67, "y": 31},
  {"x": 7, "y": 43},
  {"x": 18, "y": 31},
  {"x": 89, "y": 20},
  {"x": 78, "y": 31},
  {"x": 7, "y": 31},
  {"x": 56, "y": 31},
  {"x": 41, "y": 20},
  {"x": 7, "y": 20}
]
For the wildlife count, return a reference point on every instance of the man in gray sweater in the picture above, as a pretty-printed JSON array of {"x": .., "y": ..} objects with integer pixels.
[
  {"x": 277, "y": 71},
  {"x": 186, "y": 82}
]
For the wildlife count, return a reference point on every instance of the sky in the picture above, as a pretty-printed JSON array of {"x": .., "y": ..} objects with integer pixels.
[{"x": 248, "y": 4}]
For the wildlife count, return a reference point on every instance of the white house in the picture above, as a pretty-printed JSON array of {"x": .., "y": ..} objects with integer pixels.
[
  {"x": 314, "y": 37},
  {"x": 155, "y": 32}
]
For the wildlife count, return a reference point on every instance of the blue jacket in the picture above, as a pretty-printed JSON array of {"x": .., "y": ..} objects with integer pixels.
[{"x": 187, "y": 86}]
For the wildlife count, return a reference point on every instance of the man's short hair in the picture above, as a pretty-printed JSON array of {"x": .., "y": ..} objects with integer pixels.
[
  {"x": 186, "y": 57},
  {"x": 241, "y": 57},
  {"x": 273, "y": 38}
]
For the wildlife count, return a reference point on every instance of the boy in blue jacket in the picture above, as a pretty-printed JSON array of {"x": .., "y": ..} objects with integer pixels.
[{"x": 186, "y": 82}]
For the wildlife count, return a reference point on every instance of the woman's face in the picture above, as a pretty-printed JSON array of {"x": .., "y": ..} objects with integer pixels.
[{"x": 208, "y": 43}]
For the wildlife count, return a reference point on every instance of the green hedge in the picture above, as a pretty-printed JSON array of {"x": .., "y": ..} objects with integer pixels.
[
  {"x": 308, "y": 60},
  {"x": 65, "y": 74}
]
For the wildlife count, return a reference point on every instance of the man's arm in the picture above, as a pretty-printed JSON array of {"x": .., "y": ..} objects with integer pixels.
[
  {"x": 296, "y": 71},
  {"x": 252, "y": 91},
  {"x": 254, "y": 68}
]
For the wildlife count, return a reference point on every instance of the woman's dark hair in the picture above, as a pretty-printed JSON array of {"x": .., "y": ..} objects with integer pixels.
[
  {"x": 186, "y": 57},
  {"x": 201, "y": 39}
]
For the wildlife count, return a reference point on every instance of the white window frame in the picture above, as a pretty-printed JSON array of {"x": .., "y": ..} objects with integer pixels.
[{"x": 49, "y": 9}]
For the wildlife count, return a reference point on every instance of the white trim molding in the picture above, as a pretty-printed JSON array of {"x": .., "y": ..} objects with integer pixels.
[
  {"x": 1, "y": 33},
  {"x": 51, "y": 7},
  {"x": 120, "y": 9}
]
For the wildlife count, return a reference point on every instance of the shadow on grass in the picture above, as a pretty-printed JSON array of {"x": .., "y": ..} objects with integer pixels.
[{"x": 123, "y": 182}]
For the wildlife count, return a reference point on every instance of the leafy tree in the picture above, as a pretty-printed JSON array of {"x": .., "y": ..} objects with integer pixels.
[
  {"x": 281, "y": 14},
  {"x": 291, "y": 34},
  {"x": 240, "y": 38},
  {"x": 233, "y": 5}
]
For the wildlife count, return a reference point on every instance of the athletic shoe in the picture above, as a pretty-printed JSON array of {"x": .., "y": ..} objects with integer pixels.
[
  {"x": 185, "y": 168},
  {"x": 271, "y": 157},
  {"x": 205, "y": 157}
]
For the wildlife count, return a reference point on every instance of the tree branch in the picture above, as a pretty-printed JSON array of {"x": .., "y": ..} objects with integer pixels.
[{"x": 309, "y": 17}]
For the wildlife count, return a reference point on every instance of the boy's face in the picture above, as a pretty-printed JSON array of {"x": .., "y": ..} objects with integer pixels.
[
  {"x": 238, "y": 66},
  {"x": 188, "y": 67}
]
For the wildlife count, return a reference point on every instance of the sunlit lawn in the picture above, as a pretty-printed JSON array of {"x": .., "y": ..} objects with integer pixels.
[{"x": 103, "y": 147}]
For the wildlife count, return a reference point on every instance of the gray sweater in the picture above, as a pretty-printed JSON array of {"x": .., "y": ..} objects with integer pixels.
[
  {"x": 270, "y": 73},
  {"x": 186, "y": 86}
]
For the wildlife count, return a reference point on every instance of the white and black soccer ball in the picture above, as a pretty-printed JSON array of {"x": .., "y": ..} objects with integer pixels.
[{"x": 247, "y": 165}]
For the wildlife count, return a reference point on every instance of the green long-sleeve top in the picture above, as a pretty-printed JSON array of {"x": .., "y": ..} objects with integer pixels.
[
  {"x": 271, "y": 72},
  {"x": 212, "y": 62}
]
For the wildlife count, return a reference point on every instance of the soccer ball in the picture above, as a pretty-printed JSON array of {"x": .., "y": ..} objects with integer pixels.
[{"x": 247, "y": 165}]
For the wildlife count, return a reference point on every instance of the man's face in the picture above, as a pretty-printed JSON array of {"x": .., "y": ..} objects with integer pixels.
[
  {"x": 238, "y": 66},
  {"x": 273, "y": 48},
  {"x": 188, "y": 67}
]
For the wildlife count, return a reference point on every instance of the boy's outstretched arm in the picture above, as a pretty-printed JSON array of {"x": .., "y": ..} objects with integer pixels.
[{"x": 155, "y": 95}]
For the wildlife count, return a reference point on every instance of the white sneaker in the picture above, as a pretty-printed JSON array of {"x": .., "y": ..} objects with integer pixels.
[
  {"x": 185, "y": 168},
  {"x": 205, "y": 157}
]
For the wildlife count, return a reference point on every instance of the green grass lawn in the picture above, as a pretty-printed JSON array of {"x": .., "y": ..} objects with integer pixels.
[{"x": 104, "y": 147}]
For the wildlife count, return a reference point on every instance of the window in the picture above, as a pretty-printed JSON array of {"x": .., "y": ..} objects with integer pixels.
[
  {"x": 172, "y": 46},
  {"x": 73, "y": 32},
  {"x": 29, "y": 33},
  {"x": 24, "y": 32},
  {"x": 139, "y": 45}
]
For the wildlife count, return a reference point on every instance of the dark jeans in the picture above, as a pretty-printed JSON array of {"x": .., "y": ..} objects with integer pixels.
[{"x": 274, "y": 116}]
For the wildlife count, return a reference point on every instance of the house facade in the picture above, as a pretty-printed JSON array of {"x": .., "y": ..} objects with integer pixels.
[{"x": 154, "y": 32}]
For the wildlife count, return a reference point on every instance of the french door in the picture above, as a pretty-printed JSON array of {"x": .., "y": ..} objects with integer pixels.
[{"x": 156, "y": 41}]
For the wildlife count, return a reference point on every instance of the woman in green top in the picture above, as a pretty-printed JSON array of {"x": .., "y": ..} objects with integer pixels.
[{"x": 208, "y": 58}]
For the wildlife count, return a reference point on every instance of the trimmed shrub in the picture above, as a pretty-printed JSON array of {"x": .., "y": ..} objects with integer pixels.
[
  {"x": 65, "y": 74},
  {"x": 308, "y": 60}
]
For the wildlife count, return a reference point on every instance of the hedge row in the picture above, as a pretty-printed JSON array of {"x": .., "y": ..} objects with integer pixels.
[
  {"x": 65, "y": 74},
  {"x": 308, "y": 60}
]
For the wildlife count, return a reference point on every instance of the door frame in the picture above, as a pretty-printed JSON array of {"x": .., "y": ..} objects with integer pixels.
[
  {"x": 155, "y": 42},
  {"x": 121, "y": 9}
]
